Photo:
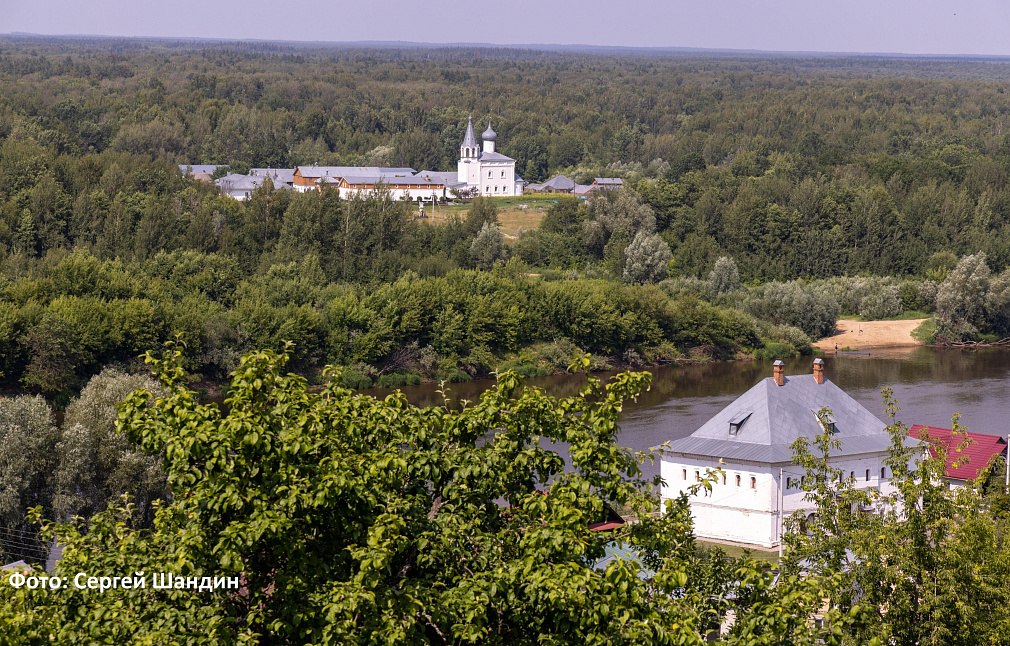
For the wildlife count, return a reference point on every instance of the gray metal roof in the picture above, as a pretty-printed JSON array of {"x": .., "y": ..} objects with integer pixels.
[
  {"x": 343, "y": 171},
  {"x": 495, "y": 157},
  {"x": 489, "y": 134},
  {"x": 559, "y": 183},
  {"x": 778, "y": 415},
  {"x": 197, "y": 169},
  {"x": 448, "y": 178},
  {"x": 608, "y": 181},
  {"x": 235, "y": 182},
  {"x": 393, "y": 179},
  {"x": 469, "y": 140},
  {"x": 284, "y": 175}
]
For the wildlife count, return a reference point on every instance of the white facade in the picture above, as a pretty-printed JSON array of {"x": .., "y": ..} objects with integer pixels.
[
  {"x": 493, "y": 174},
  {"x": 748, "y": 504},
  {"x": 399, "y": 192}
]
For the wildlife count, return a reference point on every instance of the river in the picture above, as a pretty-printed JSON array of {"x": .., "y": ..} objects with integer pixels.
[{"x": 930, "y": 385}]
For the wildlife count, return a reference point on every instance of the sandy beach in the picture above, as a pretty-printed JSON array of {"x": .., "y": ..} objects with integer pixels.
[{"x": 870, "y": 334}]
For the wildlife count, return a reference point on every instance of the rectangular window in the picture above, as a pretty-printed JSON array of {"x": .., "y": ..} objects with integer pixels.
[
  {"x": 867, "y": 475},
  {"x": 753, "y": 483},
  {"x": 697, "y": 477},
  {"x": 503, "y": 174},
  {"x": 789, "y": 483},
  {"x": 724, "y": 478},
  {"x": 852, "y": 475},
  {"x": 738, "y": 481},
  {"x": 882, "y": 472},
  {"x": 685, "y": 474}
]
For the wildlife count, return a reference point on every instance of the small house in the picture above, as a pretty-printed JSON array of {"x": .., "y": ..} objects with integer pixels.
[{"x": 968, "y": 454}]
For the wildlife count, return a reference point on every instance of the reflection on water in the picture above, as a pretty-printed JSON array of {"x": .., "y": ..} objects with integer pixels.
[{"x": 930, "y": 385}]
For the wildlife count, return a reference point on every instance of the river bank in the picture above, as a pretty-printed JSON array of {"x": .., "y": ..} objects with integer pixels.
[{"x": 859, "y": 335}]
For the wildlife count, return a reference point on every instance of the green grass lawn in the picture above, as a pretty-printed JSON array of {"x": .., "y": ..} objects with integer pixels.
[{"x": 736, "y": 552}]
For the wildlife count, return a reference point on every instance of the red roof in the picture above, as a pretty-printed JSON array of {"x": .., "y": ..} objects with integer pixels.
[{"x": 979, "y": 452}]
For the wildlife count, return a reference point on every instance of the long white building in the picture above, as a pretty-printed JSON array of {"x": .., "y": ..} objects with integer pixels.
[{"x": 750, "y": 441}]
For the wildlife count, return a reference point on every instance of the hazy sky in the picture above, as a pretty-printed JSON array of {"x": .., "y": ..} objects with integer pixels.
[{"x": 906, "y": 26}]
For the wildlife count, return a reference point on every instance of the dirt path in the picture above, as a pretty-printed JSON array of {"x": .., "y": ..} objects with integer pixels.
[{"x": 870, "y": 334}]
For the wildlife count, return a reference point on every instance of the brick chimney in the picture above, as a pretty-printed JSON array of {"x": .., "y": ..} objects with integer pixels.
[
  {"x": 779, "y": 372},
  {"x": 819, "y": 370}
]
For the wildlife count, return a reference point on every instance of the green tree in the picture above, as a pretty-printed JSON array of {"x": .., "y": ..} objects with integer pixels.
[
  {"x": 961, "y": 298},
  {"x": 352, "y": 520},
  {"x": 646, "y": 259},
  {"x": 683, "y": 165},
  {"x": 724, "y": 277},
  {"x": 482, "y": 211},
  {"x": 96, "y": 464},
  {"x": 488, "y": 248},
  {"x": 28, "y": 440},
  {"x": 615, "y": 212},
  {"x": 932, "y": 560}
]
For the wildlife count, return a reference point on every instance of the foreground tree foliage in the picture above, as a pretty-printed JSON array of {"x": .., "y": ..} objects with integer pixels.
[
  {"x": 355, "y": 520},
  {"x": 933, "y": 562},
  {"x": 75, "y": 469}
]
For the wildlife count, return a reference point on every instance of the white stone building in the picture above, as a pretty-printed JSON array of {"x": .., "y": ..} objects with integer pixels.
[
  {"x": 750, "y": 441},
  {"x": 493, "y": 174}
]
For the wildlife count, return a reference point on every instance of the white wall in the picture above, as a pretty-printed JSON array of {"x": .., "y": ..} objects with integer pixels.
[
  {"x": 502, "y": 180},
  {"x": 398, "y": 193},
  {"x": 750, "y": 513}
]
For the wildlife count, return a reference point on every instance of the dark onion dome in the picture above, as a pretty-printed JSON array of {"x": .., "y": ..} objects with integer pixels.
[{"x": 489, "y": 134}]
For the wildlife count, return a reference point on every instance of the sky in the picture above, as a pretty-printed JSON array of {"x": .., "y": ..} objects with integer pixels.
[{"x": 963, "y": 27}]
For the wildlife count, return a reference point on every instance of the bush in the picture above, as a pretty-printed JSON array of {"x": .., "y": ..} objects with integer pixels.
[
  {"x": 881, "y": 304},
  {"x": 684, "y": 286},
  {"x": 775, "y": 350},
  {"x": 398, "y": 379},
  {"x": 357, "y": 376},
  {"x": 927, "y": 294},
  {"x": 813, "y": 310}
]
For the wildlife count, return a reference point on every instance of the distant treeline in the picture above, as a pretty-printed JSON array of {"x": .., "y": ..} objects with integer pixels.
[
  {"x": 792, "y": 167},
  {"x": 787, "y": 169},
  {"x": 60, "y": 323}
]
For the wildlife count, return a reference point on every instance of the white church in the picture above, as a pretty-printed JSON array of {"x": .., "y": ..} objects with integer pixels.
[
  {"x": 750, "y": 440},
  {"x": 492, "y": 173}
]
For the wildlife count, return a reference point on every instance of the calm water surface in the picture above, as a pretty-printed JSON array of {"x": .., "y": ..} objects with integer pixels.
[{"x": 929, "y": 384}]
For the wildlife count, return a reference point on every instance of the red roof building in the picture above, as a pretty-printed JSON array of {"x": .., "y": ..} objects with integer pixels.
[{"x": 979, "y": 452}]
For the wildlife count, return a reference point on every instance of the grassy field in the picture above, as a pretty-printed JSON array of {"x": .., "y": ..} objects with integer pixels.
[{"x": 514, "y": 213}]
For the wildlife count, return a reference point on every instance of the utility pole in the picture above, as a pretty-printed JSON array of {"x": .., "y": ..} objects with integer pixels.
[
  {"x": 781, "y": 504},
  {"x": 1006, "y": 465}
]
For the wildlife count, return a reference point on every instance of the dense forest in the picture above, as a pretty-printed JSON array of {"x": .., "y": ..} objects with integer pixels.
[{"x": 766, "y": 197}]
